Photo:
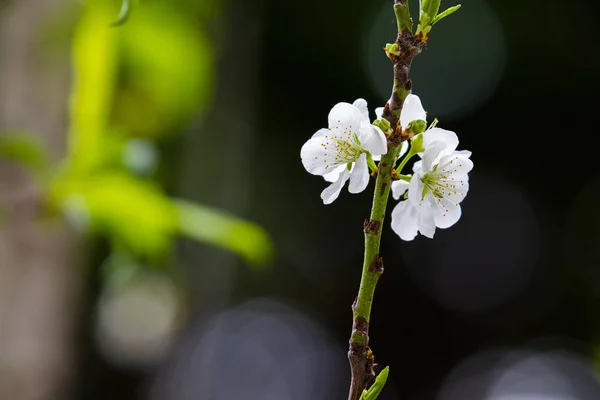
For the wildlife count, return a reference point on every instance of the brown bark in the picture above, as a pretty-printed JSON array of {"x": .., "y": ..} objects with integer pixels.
[{"x": 38, "y": 281}]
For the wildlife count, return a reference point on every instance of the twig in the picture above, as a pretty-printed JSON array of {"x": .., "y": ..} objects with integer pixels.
[{"x": 360, "y": 355}]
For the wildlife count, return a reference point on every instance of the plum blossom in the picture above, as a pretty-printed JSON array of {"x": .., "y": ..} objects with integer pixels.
[
  {"x": 412, "y": 110},
  {"x": 339, "y": 152},
  {"x": 439, "y": 184}
]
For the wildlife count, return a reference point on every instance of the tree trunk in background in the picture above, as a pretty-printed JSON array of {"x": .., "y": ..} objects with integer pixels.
[{"x": 39, "y": 283}]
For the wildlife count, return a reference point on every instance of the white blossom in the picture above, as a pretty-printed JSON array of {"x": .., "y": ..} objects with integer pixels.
[
  {"x": 339, "y": 152},
  {"x": 412, "y": 110},
  {"x": 439, "y": 184},
  {"x": 448, "y": 140}
]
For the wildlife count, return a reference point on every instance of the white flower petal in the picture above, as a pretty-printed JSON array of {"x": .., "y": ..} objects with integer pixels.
[
  {"x": 345, "y": 116},
  {"x": 415, "y": 189},
  {"x": 449, "y": 139},
  {"x": 454, "y": 190},
  {"x": 426, "y": 221},
  {"x": 412, "y": 110},
  {"x": 333, "y": 191},
  {"x": 404, "y": 148},
  {"x": 335, "y": 174},
  {"x": 359, "y": 177},
  {"x": 431, "y": 155},
  {"x": 453, "y": 178},
  {"x": 373, "y": 140},
  {"x": 418, "y": 166},
  {"x": 361, "y": 105},
  {"x": 322, "y": 132},
  {"x": 404, "y": 220},
  {"x": 457, "y": 163},
  {"x": 447, "y": 213},
  {"x": 313, "y": 156},
  {"x": 379, "y": 112},
  {"x": 399, "y": 188},
  {"x": 463, "y": 153}
]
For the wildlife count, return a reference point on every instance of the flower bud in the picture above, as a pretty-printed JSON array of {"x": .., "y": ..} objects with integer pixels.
[
  {"x": 391, "y": 50},
  {"x": 417, "y": 126},
  {"x": 382, "y": 124}
]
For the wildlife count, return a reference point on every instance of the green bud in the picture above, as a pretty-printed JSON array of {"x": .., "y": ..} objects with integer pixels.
[
  {"x": 429, "y": 16},
  {"x": 416, "y": 144},
  {"x": 382, "y": 124},
  {"x": 392, "y": 49},
  {"x": 417, "y": 126},
  {"x": 377, "y": 387},
  {"x": 424, "y": 26},
  {"x": 423, "y": 31}
]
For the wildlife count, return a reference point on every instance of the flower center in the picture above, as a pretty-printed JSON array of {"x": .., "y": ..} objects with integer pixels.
[
  {"x": 343, "y": 147},
  {"x": 437, "y": 183},
  {"x": 346, "y": 151},
  {"x": 431, "y": 185},
  {"x": 347, "y": 147},
  {"x": 441, "y": 183}
]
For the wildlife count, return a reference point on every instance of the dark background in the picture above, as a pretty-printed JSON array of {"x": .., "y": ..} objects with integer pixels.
[{"x": 504, "y": 303}]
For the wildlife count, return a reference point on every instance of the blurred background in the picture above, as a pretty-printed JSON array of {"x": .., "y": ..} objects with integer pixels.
[{"x": 160, "y": 239}]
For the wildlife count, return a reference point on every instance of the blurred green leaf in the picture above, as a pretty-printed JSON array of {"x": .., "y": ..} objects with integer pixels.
[
  {"x": 166, "y": 73},
  {"x": 137, "y": 80},
  {"x": 132, "y": 212},
  {"x": 221, "y": 229},
  {"x": 145, "y": 79},
  {"x": 95, "y": 62},
  {"x": 23, "y": 149},
  {"x": 137, "y": 215}
]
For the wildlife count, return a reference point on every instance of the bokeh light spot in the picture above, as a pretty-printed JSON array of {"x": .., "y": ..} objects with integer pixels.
[
  {"x": 259, "y": 350},
  {"x": 458, "y": 71},
  {"x": 522, "y": 374},
  {"x": 487, "y": 258},
  {"x": 137, "y": 321}
]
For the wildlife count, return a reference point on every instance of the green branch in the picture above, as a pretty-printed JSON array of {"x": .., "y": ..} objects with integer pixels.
[
  {"x": 401, "y": 53},
  {"x": 360, "y": 356}
]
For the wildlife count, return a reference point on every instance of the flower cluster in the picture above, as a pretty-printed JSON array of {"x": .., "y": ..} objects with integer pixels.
[{"x": 349, "y": 147}]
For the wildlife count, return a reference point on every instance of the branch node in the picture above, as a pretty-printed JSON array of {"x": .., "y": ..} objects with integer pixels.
[
  {"x": 372, "y": 227},
  {"x": 376, "y": 266}
]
